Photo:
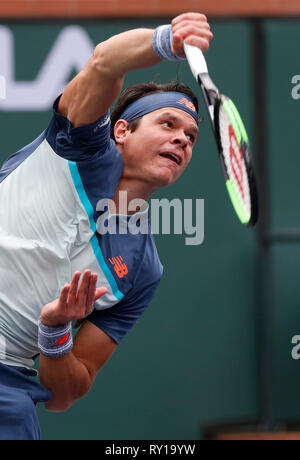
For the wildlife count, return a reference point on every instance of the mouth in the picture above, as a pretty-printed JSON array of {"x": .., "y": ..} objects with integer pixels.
[{"x": 172, "y": 156}]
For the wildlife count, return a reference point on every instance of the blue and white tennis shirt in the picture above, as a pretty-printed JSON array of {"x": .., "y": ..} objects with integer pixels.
[{"x": 49, "y": 192}]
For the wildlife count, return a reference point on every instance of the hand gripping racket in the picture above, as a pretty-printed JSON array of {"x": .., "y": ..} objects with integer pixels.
[{"x": 232, "y": 141}]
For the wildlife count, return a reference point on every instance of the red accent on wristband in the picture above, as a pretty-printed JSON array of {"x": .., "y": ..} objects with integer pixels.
[{"x": 62, "y": 340}]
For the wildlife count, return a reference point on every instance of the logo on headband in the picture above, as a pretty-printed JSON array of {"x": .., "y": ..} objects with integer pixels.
[{"x": 187, "y": 103}]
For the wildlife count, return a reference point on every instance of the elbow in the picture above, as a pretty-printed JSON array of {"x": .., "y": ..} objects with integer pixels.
[
  {"x": 61, "y": 402},
  {"x": 104, "y": 62},
  {"x": 58, "y": 406},
  {"x": 99, "y": 61}
]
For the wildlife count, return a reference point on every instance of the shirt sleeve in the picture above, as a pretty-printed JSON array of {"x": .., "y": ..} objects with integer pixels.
[
  {"x": 81, "y": 143},
  {"x": 119, "y": 319}
]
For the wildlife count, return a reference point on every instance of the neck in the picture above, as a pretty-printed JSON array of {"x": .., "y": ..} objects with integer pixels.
[{"x": 130, "y": 197}]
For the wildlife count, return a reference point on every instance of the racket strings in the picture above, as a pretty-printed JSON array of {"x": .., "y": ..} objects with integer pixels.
[{"x": 231, "y": 136}]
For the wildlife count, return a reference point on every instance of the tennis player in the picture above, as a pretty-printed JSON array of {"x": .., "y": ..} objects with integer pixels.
[{"x": 49, "y": 209}]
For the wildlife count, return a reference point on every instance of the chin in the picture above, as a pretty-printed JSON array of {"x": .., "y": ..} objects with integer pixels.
[{"x": 166, "y": 180}]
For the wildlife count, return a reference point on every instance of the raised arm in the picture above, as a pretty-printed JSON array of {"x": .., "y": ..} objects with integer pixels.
[{"x": 90, "y": 94}]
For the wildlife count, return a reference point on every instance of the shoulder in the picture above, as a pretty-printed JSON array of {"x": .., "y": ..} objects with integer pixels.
[{"x": 80, "y": 143}]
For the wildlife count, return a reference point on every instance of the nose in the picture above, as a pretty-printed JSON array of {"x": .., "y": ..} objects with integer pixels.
[{"x": 180, "y": 138}]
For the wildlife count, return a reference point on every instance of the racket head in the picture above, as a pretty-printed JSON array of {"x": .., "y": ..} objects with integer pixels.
[{"x": 235, "y": 156}]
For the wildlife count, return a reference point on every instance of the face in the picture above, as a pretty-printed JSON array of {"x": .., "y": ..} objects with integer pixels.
[{"x": 160, "y": 149}]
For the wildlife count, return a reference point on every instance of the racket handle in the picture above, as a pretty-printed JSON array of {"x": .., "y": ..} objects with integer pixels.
[{"x": 195, "y": 59}]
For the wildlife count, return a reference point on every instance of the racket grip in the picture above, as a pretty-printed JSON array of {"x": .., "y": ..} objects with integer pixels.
[{"x": 195, "y": 59}]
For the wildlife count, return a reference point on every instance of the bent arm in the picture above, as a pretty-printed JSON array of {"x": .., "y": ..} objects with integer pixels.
[
  {"x": 92, "y": 92},
  {"x": 70, "y": 377}
]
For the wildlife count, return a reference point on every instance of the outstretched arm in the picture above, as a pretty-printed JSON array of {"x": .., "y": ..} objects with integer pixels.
[{"x": 90, "y": 94}]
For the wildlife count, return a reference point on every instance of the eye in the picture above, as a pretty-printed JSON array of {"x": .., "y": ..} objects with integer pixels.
[
  {"x": 167, "y": 123},
  {"x": 191, "y": 137}
]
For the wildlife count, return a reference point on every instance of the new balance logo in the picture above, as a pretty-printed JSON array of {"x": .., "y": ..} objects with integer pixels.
[
  {"x": 187, "y": 103},
  {"x": 119, "y": 266}
]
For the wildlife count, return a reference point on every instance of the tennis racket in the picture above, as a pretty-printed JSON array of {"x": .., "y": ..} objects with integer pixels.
[{"x": 231, "y": 138}]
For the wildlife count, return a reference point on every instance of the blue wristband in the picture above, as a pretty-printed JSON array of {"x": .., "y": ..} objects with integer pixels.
[
  {"x": 55, "y": 342},
  {"x": 162, "y": 41}
]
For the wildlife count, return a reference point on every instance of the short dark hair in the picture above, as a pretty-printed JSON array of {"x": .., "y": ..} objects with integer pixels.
[{"x": 133, "y": 93}]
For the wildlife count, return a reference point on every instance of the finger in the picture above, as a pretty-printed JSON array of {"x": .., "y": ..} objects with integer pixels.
[
  {"x": 63, "y": 297},
  {"x": 189, "y": 16},
  {"x": 83, "y": 291},
  {"x": 199, "y": 25},
  {"x": 91, "y": 293},
  {"x": 73, "y": 289},
  {"x": 199, "y": 42},
  {"x": 100, "y": 292},
  {"x": 193, "y": 30}
]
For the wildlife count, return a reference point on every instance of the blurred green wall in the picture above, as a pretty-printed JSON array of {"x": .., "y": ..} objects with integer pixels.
[
  {"x": 284, "y": 163},
  {"x": 192, "y": 359}
]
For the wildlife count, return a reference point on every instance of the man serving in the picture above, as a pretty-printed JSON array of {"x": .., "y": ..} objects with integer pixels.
[{"x": 49, "y": 244}]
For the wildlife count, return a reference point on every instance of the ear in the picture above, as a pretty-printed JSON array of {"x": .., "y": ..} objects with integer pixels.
[{"x": 121, "y": 131}]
